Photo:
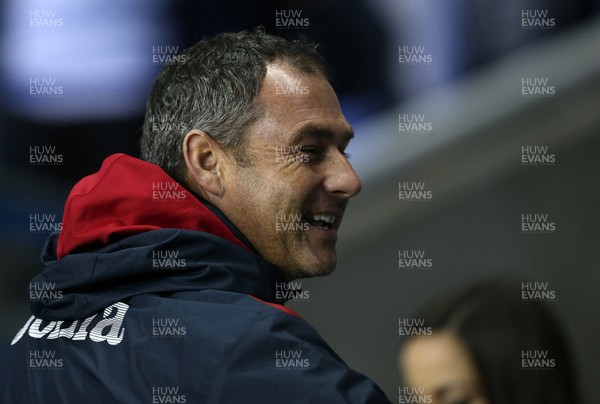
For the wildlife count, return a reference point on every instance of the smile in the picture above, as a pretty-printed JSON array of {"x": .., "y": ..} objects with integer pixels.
[{"x": 324, "y": 221}]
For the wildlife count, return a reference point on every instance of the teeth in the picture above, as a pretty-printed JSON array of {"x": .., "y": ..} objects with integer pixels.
[{"x": 329, "y": 219}]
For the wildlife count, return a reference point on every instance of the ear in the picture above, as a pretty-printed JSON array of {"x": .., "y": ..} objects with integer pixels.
[{"x": 201, "y": 153}]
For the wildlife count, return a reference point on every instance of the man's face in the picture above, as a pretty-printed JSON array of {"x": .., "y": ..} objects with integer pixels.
[{"x": 290, "y": 200}]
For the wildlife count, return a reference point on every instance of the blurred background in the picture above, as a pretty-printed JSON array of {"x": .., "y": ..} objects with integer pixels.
[{"x": 490, "y": 108}]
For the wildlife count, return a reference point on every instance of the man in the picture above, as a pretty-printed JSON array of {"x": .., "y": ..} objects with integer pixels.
[{"x": 162, "y": 285}]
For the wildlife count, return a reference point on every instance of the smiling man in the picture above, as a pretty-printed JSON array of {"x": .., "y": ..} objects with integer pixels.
[
  {"x": 162, "y": 285},
  {"x": 293, "y": 167}
]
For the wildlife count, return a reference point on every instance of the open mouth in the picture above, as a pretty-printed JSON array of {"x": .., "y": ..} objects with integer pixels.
[{"x": 323, "y": 221}]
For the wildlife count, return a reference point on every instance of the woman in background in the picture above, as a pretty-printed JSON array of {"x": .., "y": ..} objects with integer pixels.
[{"x": 488, "y": 346}]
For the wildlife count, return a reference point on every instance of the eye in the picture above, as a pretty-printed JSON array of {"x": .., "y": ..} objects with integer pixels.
[
  {"x": 311, "y": 149},
  {"x": 319, "y": 152},
  {"x": 315, "y": 154}
]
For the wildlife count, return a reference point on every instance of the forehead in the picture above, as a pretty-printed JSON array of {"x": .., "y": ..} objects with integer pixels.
[
  {"x": 437, "y": 361},
  {"x": 295, "y": 102}
]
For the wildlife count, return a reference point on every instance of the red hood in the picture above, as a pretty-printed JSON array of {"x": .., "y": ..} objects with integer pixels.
[{"x": 129, "y": 196}]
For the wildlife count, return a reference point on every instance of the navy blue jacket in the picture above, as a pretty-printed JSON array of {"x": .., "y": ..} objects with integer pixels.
[{"x": 167, "y": 316}]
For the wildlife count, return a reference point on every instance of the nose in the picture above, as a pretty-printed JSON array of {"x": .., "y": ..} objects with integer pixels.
[{"x": 340, "y": 177}]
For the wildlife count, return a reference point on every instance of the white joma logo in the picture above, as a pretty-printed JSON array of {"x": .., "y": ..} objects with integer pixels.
[{"x": 108, "y": 329}]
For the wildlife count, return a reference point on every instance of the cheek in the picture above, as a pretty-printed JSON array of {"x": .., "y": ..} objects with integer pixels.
[
  {"x": 259, "y": 197},
  {"x": 264, "y": 192},
  {"x": 245, "y": 201},
  {"x": 276, "y": 192}
]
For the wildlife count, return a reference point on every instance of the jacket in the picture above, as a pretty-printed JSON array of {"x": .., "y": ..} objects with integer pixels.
[{"x": 150, "y": 295}]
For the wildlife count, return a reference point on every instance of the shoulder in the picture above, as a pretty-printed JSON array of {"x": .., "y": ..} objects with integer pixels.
[{"x": 282, "y": 358}]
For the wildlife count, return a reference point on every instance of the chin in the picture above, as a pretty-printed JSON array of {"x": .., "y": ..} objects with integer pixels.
[{"x": 318, "y": 268}]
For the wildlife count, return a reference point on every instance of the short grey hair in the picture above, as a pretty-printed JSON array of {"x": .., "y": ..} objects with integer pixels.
[{"x": 212, "y": 87}]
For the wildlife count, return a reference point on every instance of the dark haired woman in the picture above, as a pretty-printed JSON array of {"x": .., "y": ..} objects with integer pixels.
[{"x": 487, "y": 345}]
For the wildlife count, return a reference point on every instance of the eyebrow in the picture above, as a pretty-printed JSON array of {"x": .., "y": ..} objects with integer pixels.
[{"x": 312, "y": 130}]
